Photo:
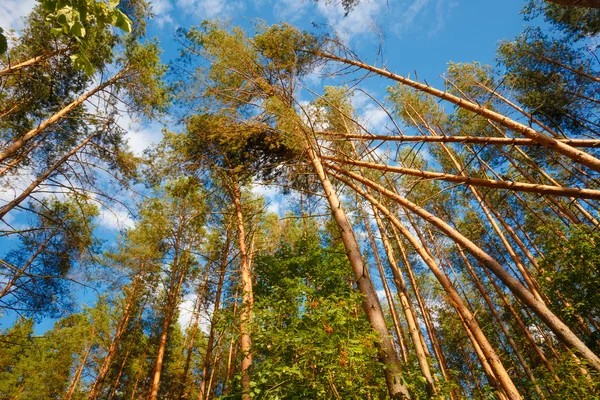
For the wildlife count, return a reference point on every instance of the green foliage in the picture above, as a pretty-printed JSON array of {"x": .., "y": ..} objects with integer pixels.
[
  {"x": 148, "y": 93},
  {"x": 572, "y": 383},
  {"x": 536, "y": 70},
  {"x": 571, "y": 270},
  {"x": 71, "y": 17},
  {"x": 575, "y": 22},
  {"x": 250, "y": 149},
  {"x": 62, "y": 239},
  {"x": 310, "y": 337},
  {"x": 39, "y": 367}
]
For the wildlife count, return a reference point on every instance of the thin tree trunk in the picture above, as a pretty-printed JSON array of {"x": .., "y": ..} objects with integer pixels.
[
  {"x": 500, "y": 322},
  {"x": 386, "y": 287},
  {"x": 118, "y": 378},
  {"x": 387, "y": 352},
  {"x": 491, "y": 183},
  {"x": 139, "y": 374},
  {"x": 411, "y": 319},
  {"x": 4, "y": 210},
  {"x": 112, "y": 350},
  {"x": 484, "y": 140},
  {"x": 172, "y": 299},
  {"x": 28, "y": 63},
  {"x": 204, "y": 389},
  {"x": 20, "y": 272},
  {"x": 232, "y": 354},
  {"x": 194, "y": 325},
  {"x": 433, "y": 337},
  {"x": 502, "y": 380},
  {"x": 79, "y": 371}
]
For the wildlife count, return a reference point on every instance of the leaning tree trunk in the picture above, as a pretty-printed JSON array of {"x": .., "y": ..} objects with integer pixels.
[
  {"x": 17, "y": 144},
  {"x": 79, "y": 371},
  {"x": 19, "y": 199},
  {"x": 386, "y": 288},
  {"x": 498, "y": 375},
  {"x": 387, "y": 351},
  {"x": 560, "y": 329},
  {"x": 411, "y": 320},
  {"x": 553, "y": 144}
]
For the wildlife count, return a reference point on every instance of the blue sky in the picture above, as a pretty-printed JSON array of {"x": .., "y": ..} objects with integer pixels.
[{"x": 414, "y": 35}]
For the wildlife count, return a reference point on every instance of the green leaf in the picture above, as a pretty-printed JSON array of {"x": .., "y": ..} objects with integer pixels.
[
  {"x": 122, "y": 21},
  {"x": 112, "y": 4},
  {"x": 89, "y": 68},
  {"x": 78, "y": 29},
  {"x": 56, "y": 31}
]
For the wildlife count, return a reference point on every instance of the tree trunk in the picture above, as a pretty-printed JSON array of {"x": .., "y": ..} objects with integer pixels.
[
  {"x": 483, "y": 140},
  {"x": 386, "y": 287},
  {"x": 4, "y": 210},
  {"x": 28, "y": 63},
  {"x": 175, "y": 282},
  {"x": 17, "y": 144},
  {"x": 502, "y": 380},
  {"x": 20, "y": 272},
  {"x": 247, "y": 293},
  {"x": 79, "y": 371},
  {"x": 204, "y": 388},
  {"x": 112, "y": 350},
  {"x": 433, "y": 337},
  {"x": 411, "y": 319},
  {"x": 500, "y": 322},
  {"x": 553, "y": 144},
  {"x": 558, "y": 327},
  {"x": 387, "y": 351},
  {"x": 491, "y": 183},
  {"x": 119, "y": 375},
  {"x": 192, "y": 340}
]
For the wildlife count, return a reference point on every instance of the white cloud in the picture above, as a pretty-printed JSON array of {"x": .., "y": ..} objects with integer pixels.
[
  {"x": 115, "y": 219},
  {"x": 423, "y": 16},
  {"x": 413, "y": 10},
  {"x": 208, "y": 9},
  {"x": 361, "y": 20},
  {"x": 13, "y": 11},
  {"x": 271, "y": 195},
  {"x": 370, "y": 114},
  {"x": 140, "y": 136},
  {"x": 291, "y": 10},
  {"x": 161, "y": 9},
  {"x": 186, "y": 313}
]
